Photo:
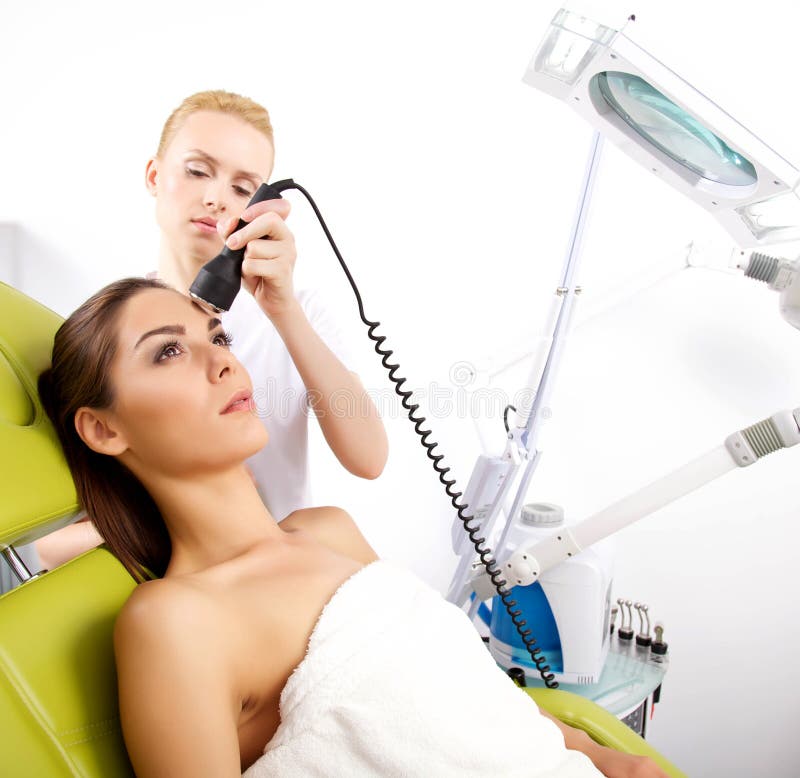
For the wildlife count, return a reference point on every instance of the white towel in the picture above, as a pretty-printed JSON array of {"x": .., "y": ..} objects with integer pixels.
[{"x": 397, "y": 682}]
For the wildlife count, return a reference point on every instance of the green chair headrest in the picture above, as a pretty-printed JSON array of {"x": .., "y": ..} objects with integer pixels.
[{"x": 38, "y": 495}]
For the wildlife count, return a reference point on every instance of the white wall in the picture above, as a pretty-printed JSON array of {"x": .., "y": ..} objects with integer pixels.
[{"x": 450, "y": 187}]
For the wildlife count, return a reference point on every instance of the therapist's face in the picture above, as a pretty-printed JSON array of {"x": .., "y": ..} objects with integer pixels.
[{"x": 208, "y": 172}]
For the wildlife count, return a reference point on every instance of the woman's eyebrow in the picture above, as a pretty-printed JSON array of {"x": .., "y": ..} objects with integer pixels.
[
  {"x": 211, "y": 160},
  {"x": 167, "y": 329},
  {"x": 174, "y": 329}
]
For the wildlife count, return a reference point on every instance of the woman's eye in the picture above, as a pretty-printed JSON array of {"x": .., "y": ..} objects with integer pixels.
[
  {"x": 240, "y": 190},
  {"x": 223, "y": 339},
  {"x": 168, "y": 351},
  {"x": 195, "y": 172}
]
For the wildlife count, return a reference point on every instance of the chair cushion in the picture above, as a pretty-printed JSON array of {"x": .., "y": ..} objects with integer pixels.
[
  {"x": 32, "y": 505},
  {"x": 59, "y": 711}
]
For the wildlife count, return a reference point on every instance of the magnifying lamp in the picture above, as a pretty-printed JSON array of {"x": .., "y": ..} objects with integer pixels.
[
  {"x": 680, "y": 135},
  {"x": 670, "y": 128}
]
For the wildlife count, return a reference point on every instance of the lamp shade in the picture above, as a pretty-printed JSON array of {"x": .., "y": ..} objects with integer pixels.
[{"x": 670, "y": 128}]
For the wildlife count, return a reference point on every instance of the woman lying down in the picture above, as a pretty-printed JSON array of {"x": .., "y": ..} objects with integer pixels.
[{"x": 264, "y": 649}]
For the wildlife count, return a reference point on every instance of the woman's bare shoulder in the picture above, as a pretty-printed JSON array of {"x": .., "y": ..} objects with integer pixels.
[
  {"x": 174, "y": 675},
  {"x": 334, "y": 528},
  {"x": 163, "y": 607}
]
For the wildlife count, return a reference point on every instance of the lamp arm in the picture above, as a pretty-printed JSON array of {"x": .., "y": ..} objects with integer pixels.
[
  {"x": 492, "y": 478},
  {"x": 534, "y": 407},
  {"x": 742, "y": 448},
  {"x": 530, "y": 415}
]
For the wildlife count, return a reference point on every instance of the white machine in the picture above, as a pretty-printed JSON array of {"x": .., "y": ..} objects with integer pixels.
[
  {"x": 688, "y": 141},
  {"x": 570, "y": 608}
]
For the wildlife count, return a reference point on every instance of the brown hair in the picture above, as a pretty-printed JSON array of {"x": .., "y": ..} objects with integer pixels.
[
  {"x": 216, "y": 100},
  {"x": 121, "y": 509}
]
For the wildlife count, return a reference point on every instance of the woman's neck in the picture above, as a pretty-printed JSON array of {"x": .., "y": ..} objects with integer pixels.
[{"x": 212, "y": 518}]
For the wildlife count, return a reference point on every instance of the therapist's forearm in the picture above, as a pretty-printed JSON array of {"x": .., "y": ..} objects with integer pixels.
[
  {"x": 66, "y": 543},
  {"x": 349, "y": 419}
]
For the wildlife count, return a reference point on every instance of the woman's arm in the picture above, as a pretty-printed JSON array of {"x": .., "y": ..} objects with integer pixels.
[
  {"x": 177, "y": 707},
  {"x": 348, "y": 417},
  {"x": 613, "y": 764}
]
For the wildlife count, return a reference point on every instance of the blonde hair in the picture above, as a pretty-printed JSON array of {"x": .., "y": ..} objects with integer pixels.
[{"x": 216, "y": 100}]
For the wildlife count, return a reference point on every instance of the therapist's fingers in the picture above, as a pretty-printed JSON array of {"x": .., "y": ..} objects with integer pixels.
[
  {"x": 280, "y": 207},
  {"x": 270, "y": 283},
  {"x": 268, "y": 269},
  {"x": 271, "y": 249},
  {"x": 267, "y": 225}
]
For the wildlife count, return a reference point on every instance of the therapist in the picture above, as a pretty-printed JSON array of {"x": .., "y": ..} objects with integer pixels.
[{"x": 215, "y": 150}]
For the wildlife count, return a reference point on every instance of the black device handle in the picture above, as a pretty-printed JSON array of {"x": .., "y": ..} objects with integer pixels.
[{"x": 219, "y": 280}]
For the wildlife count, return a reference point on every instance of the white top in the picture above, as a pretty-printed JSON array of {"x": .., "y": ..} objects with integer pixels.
[
  {"x": 281, "y": 467},
  {"x": 397, "y": 683}
]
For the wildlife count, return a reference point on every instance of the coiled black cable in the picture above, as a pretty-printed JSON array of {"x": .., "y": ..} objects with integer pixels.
[
  {"x": 505, "y": 416},
  {"x": 485, "y": 553}
]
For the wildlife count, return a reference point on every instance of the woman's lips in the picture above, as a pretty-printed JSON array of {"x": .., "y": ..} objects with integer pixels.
[{"x": 240, "y": 403}]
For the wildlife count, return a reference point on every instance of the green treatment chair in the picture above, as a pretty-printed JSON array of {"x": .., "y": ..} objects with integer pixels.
[{"x": 58, "y": 686}]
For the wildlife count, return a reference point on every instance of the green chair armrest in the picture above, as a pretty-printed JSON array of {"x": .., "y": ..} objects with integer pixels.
[{"x": 603, "y": 727}]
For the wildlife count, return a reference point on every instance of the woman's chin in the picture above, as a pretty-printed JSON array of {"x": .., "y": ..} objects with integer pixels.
[{"x": 255, "y": 442}]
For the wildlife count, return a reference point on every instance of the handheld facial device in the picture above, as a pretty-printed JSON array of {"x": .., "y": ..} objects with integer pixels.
[{"x": 219, "y": 280}]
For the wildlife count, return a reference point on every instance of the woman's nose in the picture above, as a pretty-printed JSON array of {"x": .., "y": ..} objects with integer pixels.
[{"x": 221, "y": 362}]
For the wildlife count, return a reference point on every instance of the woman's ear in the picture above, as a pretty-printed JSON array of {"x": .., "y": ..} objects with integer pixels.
[
  {"x": 151, "y": 176},
  {"x": 98, "y": 433}
]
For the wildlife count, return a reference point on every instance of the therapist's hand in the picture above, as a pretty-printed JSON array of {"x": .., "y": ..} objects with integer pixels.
[{"x": 269, "y": 255}]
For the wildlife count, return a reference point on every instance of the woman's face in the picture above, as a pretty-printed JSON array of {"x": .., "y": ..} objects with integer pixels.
[
  {"x": 209, "y": 171},
  {"x": 182, "y": 401}
]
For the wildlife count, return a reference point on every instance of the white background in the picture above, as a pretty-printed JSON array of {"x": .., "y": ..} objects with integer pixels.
[{"x": 450, "y": 188}]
